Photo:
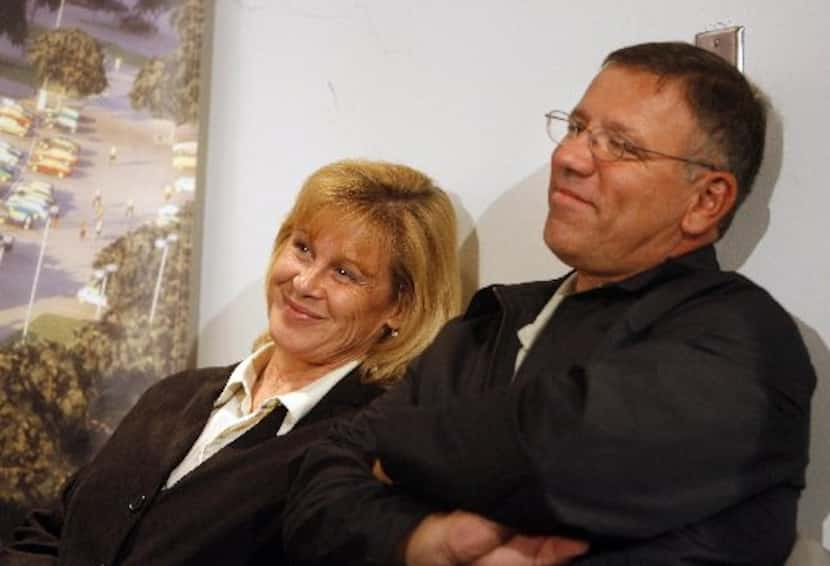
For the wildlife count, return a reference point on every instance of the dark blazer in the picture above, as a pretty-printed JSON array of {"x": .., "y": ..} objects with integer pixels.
[{"x": 227, "y": 511}]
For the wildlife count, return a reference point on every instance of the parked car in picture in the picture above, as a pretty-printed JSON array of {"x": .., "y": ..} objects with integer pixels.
[
  {"x": 35, "y": 198},
  {"x": 62, "y": 142},
  {"x": 10, "y": 126},
  {"x": 91, "y": 294},
  {"x": 20, "y": 116},
  {"x": 9, "y": 159},
  {"x": 62, "y": 121},
  {"x": 51, "y": 166},
  {"x": 18, "y": 213},
  {"x": 6, "y": 147},
  {"x": 185, "y": 184},
  {"x": 33, "y": 186},
  {"x": 36, "y": 205},
  {"x": 58, "y": 154},
  {"x": 186, "y": 148},
  {"x": 69, "y": 113},
  {"x": 10, "y": 103}
]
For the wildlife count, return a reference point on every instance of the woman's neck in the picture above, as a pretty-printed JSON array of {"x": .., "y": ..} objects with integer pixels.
[{"x": 283, "y": 374}]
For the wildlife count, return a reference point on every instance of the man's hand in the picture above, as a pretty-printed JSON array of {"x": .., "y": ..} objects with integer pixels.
[{"x": 464, "y": 538}]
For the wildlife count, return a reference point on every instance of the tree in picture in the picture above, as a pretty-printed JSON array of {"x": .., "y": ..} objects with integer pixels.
[
  {"x": 71, "y": 59},
  {"x": 168, "y": 87}
]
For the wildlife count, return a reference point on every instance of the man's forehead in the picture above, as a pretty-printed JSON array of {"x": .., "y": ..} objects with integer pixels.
[{"x": 619, "y": 96}]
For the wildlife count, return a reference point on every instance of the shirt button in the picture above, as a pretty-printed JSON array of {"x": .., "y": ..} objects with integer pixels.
[{"x": 136, "y": 504}]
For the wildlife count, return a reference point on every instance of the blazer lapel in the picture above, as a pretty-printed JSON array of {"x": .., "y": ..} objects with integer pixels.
[{"x": 192, "y": 420}]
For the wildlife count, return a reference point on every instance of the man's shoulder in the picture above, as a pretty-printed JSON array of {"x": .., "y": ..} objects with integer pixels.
[
  {"x": 714, "y": 299},
  {"x": 530, "y": 295}
]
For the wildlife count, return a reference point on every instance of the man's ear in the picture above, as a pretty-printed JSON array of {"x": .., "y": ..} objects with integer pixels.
[{"x": 714, "y": 196}]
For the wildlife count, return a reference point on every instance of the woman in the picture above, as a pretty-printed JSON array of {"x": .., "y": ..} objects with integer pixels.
[{"x": 362, "y": 276}]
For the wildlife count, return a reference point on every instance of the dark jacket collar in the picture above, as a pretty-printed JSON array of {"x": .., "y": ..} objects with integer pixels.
[
  {"x": 701, "y": 259},
  {"x": 532, "y": 296},
  {"x": 349, "y": 394}
]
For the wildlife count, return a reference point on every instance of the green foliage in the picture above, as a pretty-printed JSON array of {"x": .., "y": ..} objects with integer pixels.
[
  {"x": 55, "y": 327},
  {"x": 168, "y": 87},
  {"x": 59, "y": 402},
  {"x": 71, "y": 58},
  {"x": 44, "y": 416}
]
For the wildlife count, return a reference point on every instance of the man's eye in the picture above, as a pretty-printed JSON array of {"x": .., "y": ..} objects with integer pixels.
[
  {"x": 575, "y": 128},
  {"x": 622, "y": 147}
]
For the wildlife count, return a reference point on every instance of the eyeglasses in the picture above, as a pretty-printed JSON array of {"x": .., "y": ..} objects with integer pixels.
[{"x": 605, "y": 146}]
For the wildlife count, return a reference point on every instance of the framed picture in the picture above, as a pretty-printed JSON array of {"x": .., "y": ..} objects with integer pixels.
[{"x": 99, "y": 130}]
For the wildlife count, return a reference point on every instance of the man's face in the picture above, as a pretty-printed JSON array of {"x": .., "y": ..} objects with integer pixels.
[{"x": 612, "y": 219}]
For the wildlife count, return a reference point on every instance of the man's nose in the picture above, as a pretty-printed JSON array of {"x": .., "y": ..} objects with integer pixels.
[{"x": 574, "y": 155}]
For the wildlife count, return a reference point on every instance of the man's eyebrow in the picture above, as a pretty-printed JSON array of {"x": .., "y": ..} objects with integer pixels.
[
  {"x": 579, "y": 114},
  {"x": 614, "y": 126}
]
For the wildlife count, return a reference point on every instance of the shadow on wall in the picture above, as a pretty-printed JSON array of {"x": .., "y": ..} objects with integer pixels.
[
  {"x": 510, "y": 234},
  {"x": 752, "y": 220},
  {"x": 228, "y": 336},
  {"x": 468, "y": 256},
  {"x": 750, "y": 225},
  {"x": 815, "y": 501}
]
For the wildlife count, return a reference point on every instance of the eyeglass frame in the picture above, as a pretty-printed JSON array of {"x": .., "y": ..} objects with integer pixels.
[{"x": 627, "y": 146}]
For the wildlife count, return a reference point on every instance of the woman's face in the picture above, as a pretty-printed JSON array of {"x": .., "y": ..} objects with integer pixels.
[{"x": 330, "y": 293}]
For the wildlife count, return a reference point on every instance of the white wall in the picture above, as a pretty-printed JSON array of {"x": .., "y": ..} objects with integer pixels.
[{"x": 459, "y": 90}]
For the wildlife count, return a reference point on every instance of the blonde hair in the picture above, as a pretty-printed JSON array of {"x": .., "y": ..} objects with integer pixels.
[{"x": 415, "y": 221}]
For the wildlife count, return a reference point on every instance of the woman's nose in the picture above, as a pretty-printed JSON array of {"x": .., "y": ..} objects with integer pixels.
[{"x": 307, "y": 280}]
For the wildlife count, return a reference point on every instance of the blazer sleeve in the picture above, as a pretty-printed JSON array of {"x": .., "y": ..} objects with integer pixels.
[
  {"x": 36, "y": 541},
  {"x": 680, "y": 420}
]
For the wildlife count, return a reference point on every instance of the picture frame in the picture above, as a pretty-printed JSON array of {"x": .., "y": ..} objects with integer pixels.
[{"x": 99, "y": 153}]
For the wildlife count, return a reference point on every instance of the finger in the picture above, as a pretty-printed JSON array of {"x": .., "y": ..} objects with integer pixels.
[
  {"x": 471, "y": 536},
  {"x": 560, "y": 550}
]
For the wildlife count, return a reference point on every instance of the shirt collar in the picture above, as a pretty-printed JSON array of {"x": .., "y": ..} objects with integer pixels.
[
  {"x": 527, "y": 333},
  {"x": 297, "y": 403},
  {"x": 245, "y": 375}
]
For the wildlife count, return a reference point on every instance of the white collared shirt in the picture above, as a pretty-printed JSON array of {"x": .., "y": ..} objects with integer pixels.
[
  {"x": 529, "y": 332},
  {"x": 232, "y": 415}
]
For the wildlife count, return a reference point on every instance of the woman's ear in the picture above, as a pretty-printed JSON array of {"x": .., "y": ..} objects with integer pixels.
[{"x": 714, "y": 197}]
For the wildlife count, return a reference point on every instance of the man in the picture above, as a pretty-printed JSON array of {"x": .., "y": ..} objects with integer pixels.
[{"x": 648, "y": 403}]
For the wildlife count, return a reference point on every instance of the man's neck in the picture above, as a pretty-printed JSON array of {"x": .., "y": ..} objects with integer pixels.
[{"x": 587, "y": 280}]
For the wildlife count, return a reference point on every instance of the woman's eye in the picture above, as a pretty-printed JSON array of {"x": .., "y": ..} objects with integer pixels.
[
  {"x": 346, "y": 274},
  {"x": 301, "y": 247}
]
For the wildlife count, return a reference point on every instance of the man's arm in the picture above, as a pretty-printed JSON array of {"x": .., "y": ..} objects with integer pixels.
[
  {"x": 706, "y": 409},
  {"x": 363, "y": 521}
]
